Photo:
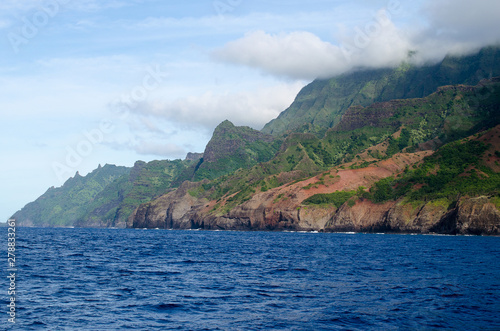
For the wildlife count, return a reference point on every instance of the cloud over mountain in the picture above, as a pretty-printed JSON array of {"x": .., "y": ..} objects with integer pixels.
[
  {"x": 446, "y": 26},
  {"x": 253, "y": 108}
]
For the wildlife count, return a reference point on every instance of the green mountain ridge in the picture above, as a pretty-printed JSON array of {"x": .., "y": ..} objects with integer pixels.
[
  {"x": 113, "y": 205},
  {"x": 61, "y": 206},
  {"x": 353, "y": 121},
  {"x": 232, "y": 148},
  {"x": 319, "y": 105}
]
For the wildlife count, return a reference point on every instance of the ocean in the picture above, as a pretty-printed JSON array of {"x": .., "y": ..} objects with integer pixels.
[{"x": 113, "y": 279}]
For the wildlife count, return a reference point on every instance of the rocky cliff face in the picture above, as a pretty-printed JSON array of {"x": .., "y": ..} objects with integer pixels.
[
  {"x": 179, "y": 210},
  {"x": 284, "y": 207},
  {"x": 233, "y": 147},
  {"x": 478, "y": 216},
  {"x": 113, "y": 205},
  {"x": 174, "y": 210}
]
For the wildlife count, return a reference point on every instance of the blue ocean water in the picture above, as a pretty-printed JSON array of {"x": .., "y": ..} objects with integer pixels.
[{"x": 95, "y": 279}]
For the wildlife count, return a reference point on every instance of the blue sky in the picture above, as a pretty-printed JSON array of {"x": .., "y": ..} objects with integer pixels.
[{"x": 90, "y": 82}]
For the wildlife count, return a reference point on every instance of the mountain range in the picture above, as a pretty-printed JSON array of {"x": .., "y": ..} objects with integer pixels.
[{"x": 406, "y": 149}]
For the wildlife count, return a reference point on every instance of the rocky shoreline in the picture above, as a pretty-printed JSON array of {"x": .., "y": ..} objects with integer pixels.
[{"x": 180, "y": 210}]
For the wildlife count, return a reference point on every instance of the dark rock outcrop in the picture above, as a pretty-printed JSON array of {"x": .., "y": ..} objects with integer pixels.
[
  {"x": 193, "y": 156},
  {"x": 478, "y": 216}
]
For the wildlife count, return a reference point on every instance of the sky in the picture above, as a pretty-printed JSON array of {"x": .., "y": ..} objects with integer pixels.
[{"x": 91, "y": 82}]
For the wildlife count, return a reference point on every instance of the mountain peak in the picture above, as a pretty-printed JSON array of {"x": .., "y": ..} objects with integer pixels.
[
  {"x": 227, "y": 138},
  {"x": 233, "y": 147},
  {"x": 226, "y": 123}
]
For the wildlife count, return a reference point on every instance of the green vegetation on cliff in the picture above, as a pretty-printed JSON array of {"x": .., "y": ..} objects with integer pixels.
[
  {"x": 321, "y": 104},
  {"x": 232, "y": 148},
  {"x": 63, "y": 205},
  {"x": 336, "y": 198},
  {"x": 451, "y": 113},
  {"x": 453, "y": 171},
  {"x": 113, "y": 205}
]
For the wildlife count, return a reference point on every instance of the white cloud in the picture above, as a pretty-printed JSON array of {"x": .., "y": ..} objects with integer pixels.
[
  {"x": 303, "y": 55},
  {"x": 457, "y": 26},
  {"x": 254, "y": 108},
  {"x": 297, "y": 54},
  {"x": 463, "y": 17}
]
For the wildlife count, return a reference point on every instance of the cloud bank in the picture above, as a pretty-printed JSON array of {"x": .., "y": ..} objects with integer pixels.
[
  {"x": 252, "y": 108},
  {"x": 303, "y": 55},
  {"x": 447, "y": 27}
]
